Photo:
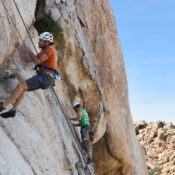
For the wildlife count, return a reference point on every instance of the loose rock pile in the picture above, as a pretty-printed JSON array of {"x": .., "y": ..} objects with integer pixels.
[{"x": 158, "y": 142}]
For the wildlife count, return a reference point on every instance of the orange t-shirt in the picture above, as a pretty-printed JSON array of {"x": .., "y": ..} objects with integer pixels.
[{"x": 51, "y": 61}]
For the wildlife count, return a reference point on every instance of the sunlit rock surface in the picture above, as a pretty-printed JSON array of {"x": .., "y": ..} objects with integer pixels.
[{"x": 91, "y": 62}]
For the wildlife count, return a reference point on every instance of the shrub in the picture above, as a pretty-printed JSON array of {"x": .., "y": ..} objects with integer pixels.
[
  {"x": 154, "y": 170},
  {"x": 144, "y": 149},
  {"x": 45, "y": 24},
  {"x": 8, "y": 75},
  {"x": 168, "y": 159}
]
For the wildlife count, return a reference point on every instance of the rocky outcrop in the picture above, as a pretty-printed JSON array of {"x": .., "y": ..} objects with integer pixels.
[
  {"x": 91, "y": 62},
  {"x": 158, "y": 140}
]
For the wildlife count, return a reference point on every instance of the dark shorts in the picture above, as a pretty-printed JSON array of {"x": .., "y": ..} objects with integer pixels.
[
  {"x": 87, "y": 133},
  {"x": 84, "y": 133},
  {"x": 33, "y": 83}
]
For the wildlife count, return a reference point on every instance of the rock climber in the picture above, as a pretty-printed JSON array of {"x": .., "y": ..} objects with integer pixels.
[
  {"x": 87, "y": 134},
  {"x": 45, "y": 66}
]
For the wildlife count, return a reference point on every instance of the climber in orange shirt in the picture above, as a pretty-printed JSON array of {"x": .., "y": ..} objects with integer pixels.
[{"x": 46, "y": 71}]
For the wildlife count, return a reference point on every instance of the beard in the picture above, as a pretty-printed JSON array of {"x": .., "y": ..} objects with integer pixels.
[{"x": 41, "y": 46}]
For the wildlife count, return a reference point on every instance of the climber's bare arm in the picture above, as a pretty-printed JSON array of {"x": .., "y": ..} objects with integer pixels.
[
  {"x": 78, "y": 118},
  {"x": 21, "y": 53},
  {"x": 35, "y": 59},
  {"x": 76, "y": 125}
]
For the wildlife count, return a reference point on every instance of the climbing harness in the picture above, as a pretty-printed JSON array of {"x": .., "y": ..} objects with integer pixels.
[
  {"x": 57, "y": 75},
  {"x": 87, "y": 133}
]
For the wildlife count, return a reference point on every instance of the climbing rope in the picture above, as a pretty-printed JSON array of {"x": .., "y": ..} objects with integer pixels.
[
  {"x": 25, "y": 25},
  {"x": 7, "y": 69},
  {"x": 58, "y": 101},
  {"x": 12, "y": 20},
  {"x": 17, "y": 28}
]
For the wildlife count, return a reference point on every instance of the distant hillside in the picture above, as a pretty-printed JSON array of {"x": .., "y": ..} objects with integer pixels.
[{"x": 158, "y": 142}]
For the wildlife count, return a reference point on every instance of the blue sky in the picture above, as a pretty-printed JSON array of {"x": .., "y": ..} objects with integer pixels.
[{"x": 146, "y": 30}]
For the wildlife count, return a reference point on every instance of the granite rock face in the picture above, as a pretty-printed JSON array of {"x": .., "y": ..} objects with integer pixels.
[
  {"x": 8, "y": 34},
  {"x": 91, "y": 62}
]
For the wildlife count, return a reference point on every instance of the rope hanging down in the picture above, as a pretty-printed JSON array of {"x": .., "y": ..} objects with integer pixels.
[
  {"x": 25, "y": 26},
  {"x": 12, "y": 20},
  {"x": 70, "y": 126}
]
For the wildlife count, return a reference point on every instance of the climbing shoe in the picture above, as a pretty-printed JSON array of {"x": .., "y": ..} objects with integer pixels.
[
  {"x": 1, "y": 107},
  {"x": 89, "y": 160},
  {"x": 8, "y": 114}
]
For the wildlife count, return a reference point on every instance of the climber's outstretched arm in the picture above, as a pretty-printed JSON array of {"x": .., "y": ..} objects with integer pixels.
[
  {"x": 21, "y": 53},
  {"x": 76, "y": 125},
  {"x": 79, "y": 116}
]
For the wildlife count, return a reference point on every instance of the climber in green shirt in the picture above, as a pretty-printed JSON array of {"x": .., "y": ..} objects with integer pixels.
[{"x": 86, "y": 130}]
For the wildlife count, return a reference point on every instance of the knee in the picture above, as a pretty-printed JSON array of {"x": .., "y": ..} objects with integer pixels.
[{"x": 22, "y": 86}]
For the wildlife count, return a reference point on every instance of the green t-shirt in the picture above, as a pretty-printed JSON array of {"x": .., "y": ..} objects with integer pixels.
[{"x": 85, "y": 119}]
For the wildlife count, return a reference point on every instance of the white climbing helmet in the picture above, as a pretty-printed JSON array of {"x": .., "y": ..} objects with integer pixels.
[
  {"x": 46, "y": 36},
  {"x": 75, "y": 104}
]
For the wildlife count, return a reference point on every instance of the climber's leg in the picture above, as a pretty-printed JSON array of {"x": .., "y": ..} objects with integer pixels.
[
  {"x": 12, "y": 112},
  {"x": 1, "y": 107},
  {"x": 89, "y": 153},
  {"x": 87, "y": 148},
  {"x": 30, "y": 84},
  {"x": 17, "y": 95},
  {"x": 18, "y": 102},
  {"x": 86, "y": 144},
  {"x": 20, "y": 89}
]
